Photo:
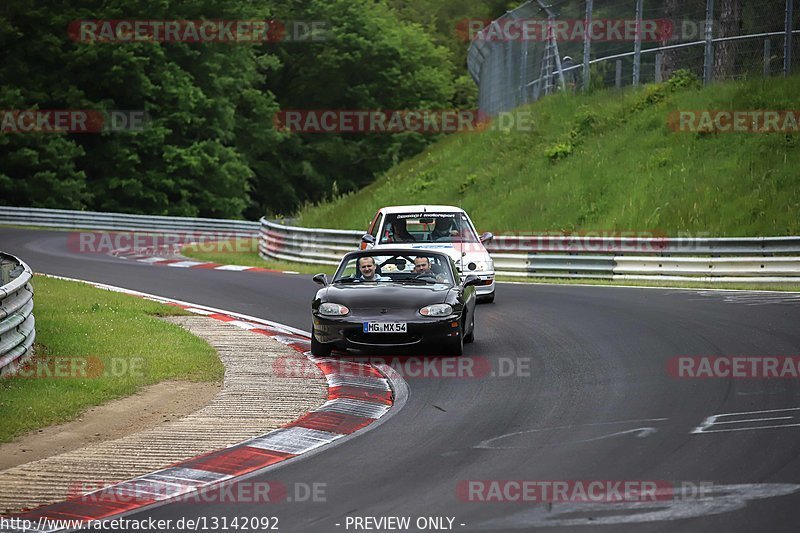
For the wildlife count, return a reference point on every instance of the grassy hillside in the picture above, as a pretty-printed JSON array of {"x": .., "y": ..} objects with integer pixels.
[{"x": 607, "y": 162}]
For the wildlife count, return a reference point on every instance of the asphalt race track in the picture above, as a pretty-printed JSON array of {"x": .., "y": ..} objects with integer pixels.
[{"x": 584, "y": 395}]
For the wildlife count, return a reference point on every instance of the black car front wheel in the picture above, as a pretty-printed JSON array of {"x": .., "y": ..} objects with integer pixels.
[
  {"x": 319, "y": 349},
  {"x": 470, "y": 337},
  {"x": 486, "y": 298}
]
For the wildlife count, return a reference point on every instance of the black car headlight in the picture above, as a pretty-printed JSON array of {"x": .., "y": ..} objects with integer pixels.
[
  {"x": 331, "y": 309},
  {"x": 436, "y": 310}
]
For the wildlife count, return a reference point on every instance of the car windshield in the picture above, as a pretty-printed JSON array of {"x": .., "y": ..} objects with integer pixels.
[
  {"x": 427, "y": 227},
  {"x": 411, "y": 268}
]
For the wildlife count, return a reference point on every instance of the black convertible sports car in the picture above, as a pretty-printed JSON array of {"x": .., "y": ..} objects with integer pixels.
[{"x": 394, "y": 298}]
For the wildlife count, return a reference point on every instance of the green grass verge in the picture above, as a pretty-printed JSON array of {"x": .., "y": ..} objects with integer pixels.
[
  {"x": 607, "y": 161},
  {"x": 245, "y": 252},
  {"x": 118, "y": 338}
]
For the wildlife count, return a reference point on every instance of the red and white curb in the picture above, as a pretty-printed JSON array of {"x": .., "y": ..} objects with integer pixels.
[
  {"x": 358, "y": 395},
  {"x": 143, "y": 255}
]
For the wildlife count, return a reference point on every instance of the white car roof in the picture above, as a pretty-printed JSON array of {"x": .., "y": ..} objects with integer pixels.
[{"x": 421, "y": 208}]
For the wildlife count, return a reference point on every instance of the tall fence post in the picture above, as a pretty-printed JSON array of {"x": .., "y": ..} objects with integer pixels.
[
  {"x": 587, "y": 45},
  {"x": 511, "y": 100},
  {"x": 708, "y": 62},
  {"x": 787, "y": 42},
  {"x": 547, "y": 61},
  {"x": 523, "y": 71},
  {"x": 618, "y": 77},
  {"x": 767, "y": 53},
  {"x": 561, "y": 80},
  {"x": 637, "y": 44}
]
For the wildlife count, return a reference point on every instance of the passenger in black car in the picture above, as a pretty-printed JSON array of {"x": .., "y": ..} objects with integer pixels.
[{"x": 368, "y": 269}]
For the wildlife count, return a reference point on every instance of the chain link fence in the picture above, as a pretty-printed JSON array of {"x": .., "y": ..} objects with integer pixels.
[{"x": 540, "y": 48}]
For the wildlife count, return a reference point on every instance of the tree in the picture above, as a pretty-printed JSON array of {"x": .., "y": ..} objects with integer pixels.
[
  {"x": 210, "y": 147},
  {"x": 36, "y": 169},
  {"x": 369, "y": 60},
  {"x": 672, "y": 12},
  {"x": 730, "y": 24},
  {"x": 190, "y": 159}
]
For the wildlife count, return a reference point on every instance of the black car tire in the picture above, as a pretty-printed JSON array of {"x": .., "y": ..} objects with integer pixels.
[
  {"x": 487, "y": 299},
  {"x": 319, "y": 349},
  {"x": 470, "y": 337}
]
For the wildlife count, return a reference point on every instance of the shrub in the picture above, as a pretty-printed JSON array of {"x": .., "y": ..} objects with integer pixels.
[{"x": 558, "y": 151}]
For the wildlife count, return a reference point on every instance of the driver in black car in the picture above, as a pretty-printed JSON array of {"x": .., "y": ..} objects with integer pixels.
[{"x": 422, "y": 268}]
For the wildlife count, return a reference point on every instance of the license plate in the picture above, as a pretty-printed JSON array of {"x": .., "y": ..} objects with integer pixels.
[{"x": 385, "y": 327}]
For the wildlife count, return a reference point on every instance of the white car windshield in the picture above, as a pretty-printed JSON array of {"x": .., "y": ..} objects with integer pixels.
[
  {"x": 426, "y": 227},
  {"x": 411, "y": 268}
]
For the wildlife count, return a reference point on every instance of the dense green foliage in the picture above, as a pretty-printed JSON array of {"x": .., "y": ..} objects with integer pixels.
[
  {"x": 199, "y": 98},
  {"x": 210, "y": 147},
  {"x": 607, "y": 162}
]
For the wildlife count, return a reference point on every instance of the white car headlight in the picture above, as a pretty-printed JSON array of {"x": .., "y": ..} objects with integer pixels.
[
  {"x": 331, "y": 309},
  {"x": 436, "y": 310}
]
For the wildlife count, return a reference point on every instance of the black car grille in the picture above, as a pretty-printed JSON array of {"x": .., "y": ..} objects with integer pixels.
[{"x": 382, "y": 338}]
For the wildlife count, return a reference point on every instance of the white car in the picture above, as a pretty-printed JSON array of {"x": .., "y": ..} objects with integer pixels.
[{"x": 435, "y": 227}]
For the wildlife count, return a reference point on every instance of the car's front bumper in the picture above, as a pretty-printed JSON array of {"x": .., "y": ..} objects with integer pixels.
[{"x": 348, "y": 332}]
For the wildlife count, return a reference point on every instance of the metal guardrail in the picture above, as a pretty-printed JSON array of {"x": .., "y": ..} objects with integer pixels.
[
  {"x": 66, "y": 219},
  {"x": 661, "y": 246},
  {"x": 305, "y": 245},
  {"x": 564, "y": 256},
  {"x": 767, "y": 259},
  {"x": 17, "y": 325}
]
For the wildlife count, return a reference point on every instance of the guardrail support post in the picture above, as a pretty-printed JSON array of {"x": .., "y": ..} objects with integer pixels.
[{"x": 619, "y": 74}]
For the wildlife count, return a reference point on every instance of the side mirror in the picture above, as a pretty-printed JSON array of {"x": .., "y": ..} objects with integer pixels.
[
  {"x": 367, "y": 241},
  {"x": 471, "y": 280},
  {"x": 321, "y": 279},
  {"x": 486, "y": 237}
]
